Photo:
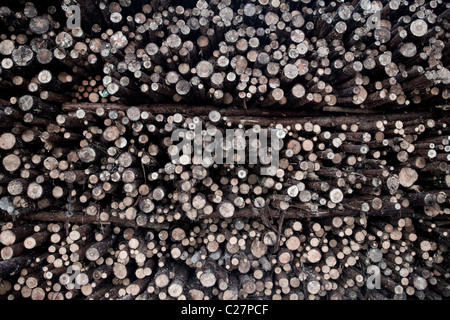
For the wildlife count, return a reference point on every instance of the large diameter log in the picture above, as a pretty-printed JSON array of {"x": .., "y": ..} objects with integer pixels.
[{"x": 407, "y": 177}]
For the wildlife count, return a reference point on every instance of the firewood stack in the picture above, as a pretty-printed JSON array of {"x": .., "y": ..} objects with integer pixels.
[{"x": 99, "y": 200}]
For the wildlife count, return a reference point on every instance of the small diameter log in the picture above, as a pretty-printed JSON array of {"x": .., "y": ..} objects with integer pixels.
[
  {"x": 179, "y": 281},
  {"x": 162, "y": 276},
  {"x": 99, "y": 249},
  {"x": 36, "y": 239}
]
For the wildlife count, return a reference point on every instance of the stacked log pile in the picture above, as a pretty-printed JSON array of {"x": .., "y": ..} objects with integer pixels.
[
  {"x": 239, "y": 259},
  {"x": 94, "y": 206},
  {"x": 309, "y": 55},
  {"x": 110, "y": 197}
]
